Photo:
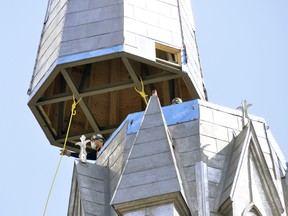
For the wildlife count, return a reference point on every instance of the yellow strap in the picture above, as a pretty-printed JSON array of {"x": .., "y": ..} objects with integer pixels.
[
  {"x": 73, "y": 112},
  {"x": 142, "y": 92}
]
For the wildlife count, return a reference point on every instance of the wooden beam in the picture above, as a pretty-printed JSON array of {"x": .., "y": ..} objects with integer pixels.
[
  {"x": 82, "y": 103},
  {"x": 61, "y": 107},
  {"x": 54, "y": 99},
  {"x": 174, "y": 68},
  {"x": 44, "y": 122},
  {"x": 131, "y": 71},
  {"x": 105, "y": 89},
  {"x": 160, "y": 77},
  {"x": 86, "y": 92}
]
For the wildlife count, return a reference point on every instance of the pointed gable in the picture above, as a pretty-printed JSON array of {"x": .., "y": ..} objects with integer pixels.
[
  {"x": 150, "y": 176},
  {"x": 88, "y": 190},
  {"x": 248, "y": 174}
]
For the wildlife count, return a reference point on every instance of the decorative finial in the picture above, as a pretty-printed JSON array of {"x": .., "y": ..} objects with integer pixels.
[
  {"x": 244, "y": 107},
  {"x": 83, "y": 152}
]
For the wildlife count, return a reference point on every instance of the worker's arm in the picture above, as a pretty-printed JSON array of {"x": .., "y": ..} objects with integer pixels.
[{"x": 90, "y": 156}]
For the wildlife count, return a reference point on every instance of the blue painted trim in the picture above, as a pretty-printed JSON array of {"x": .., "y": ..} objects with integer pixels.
[{"x": 90, "y": 54}]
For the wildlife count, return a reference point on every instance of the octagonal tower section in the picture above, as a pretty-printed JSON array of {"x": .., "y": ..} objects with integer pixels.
[{"x": 103, "y": 52}]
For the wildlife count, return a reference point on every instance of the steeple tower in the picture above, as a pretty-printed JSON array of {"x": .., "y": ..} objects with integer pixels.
[
  {"x": 101, "y": 51},
  {"x": 189, "y": 158}
]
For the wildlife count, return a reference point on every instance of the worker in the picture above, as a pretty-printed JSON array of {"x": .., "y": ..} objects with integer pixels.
[
  {"x": 97, "y": 142},
  {"x": 177, "y": 100}
]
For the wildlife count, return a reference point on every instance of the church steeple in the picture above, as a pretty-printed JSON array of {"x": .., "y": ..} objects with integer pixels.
[
  {"x": 100, "y": 51},
  {"x": 189, "y": 158}
]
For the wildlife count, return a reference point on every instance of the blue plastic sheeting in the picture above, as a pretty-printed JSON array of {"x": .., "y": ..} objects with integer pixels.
[
  {"x": 173, "y": 114},
  {"x": 180, "y": 113},
  {"x": 90, "y": 54}
]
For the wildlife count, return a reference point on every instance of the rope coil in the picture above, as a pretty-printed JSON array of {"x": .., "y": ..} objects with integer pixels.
[{"x": 73, "y": 113}]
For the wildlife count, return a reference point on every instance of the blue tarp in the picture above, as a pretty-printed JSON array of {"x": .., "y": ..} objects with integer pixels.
[{"x": 173, "y": 114}]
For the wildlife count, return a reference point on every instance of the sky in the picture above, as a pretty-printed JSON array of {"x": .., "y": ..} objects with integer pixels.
[{"x": 243, "y": 48}]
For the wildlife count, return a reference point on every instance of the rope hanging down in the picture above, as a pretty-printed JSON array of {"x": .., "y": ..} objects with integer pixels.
[
  {"x": 142, "y": 92},
  {"x": 73, "y": 113}
]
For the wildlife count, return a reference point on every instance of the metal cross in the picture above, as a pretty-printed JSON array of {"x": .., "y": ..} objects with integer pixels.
[
  {"x": 83, "y": 152},
  {"x": 244, "y": 107}
]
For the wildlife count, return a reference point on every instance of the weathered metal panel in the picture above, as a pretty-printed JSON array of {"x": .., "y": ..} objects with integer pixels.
[
  {"x": 92, "y": 28},
  {"x": 190, "y": 158},
  {"x": 149, "y": 174},
  {"x": 189, "y": 143},
  {"x": 192, "y": 67},
  {"x": 92, "y": 43},
  {"x": 148, "y": 162},
  {"x": 208, "y": 143},
  {"x": 94, "y": 14},
  {"x": 202, "y": 189},
  {"x": 50, "y": 40},
  {"x": 153, "y": 19},
  {"x": 90, "y": 188},
  {"x": 213, "y": 130},
  {"x": 155, "y": 188}
]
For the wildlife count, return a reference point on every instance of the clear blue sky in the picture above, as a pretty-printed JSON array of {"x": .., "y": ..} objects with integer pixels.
[{"x": 243, "y": 49}]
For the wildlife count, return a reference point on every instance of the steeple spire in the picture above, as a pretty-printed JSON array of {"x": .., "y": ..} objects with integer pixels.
[{"x": 150, "y": 177}]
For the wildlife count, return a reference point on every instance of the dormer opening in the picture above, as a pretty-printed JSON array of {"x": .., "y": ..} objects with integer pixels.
[{"x": 168, "y": 55}]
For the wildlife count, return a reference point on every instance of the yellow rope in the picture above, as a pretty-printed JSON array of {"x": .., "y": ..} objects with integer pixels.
[
  {"x": 73, "y": 112},
  {"x": 142, "y": 92}
]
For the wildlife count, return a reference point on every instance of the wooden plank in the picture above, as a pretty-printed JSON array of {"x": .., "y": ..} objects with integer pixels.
[
  {"x": 61, "y": 108},
  {"x": 107, "y": 88},
  {"x": 174, "y": 68},
  {"x": 131, "y": 70},
  {"x": 46, "y": 121},
  {"x": 54, "y": 99},
  {"x": 167, "y": 48}
]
